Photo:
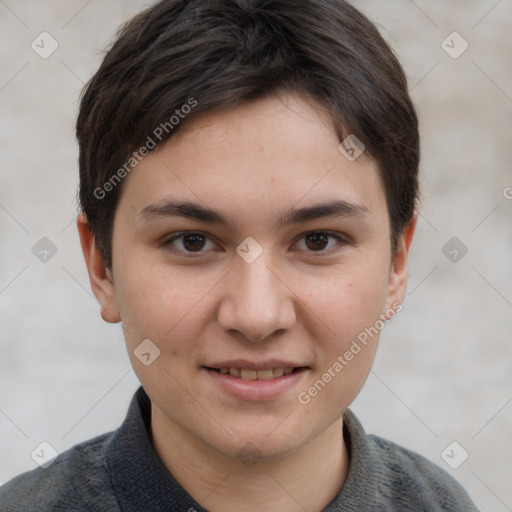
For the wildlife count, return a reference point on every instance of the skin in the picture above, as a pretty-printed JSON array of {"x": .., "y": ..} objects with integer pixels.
[{"x": 251, "y": 164}]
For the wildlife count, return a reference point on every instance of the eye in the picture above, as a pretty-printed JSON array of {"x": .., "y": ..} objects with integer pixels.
[
  {"x": 190, "y": 242},
  {"x": 318, "y": 241}
]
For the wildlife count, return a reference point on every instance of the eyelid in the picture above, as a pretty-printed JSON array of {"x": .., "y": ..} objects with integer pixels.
[
  {"x": 342, "y": 240},
  {"x": 167, "y": 242}
]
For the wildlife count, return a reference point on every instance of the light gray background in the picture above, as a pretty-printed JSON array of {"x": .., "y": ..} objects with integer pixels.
[{"x": 444, "y": 368}]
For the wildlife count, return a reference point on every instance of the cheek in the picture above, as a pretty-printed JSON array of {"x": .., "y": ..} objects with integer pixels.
[
  {"x": 171, "y": 311},
  {"x": 348, "y": 301},
  {"x": 350, "y": 309},
  {"x": 352, "y": 306},
  {"x": 164, "y": 305}
]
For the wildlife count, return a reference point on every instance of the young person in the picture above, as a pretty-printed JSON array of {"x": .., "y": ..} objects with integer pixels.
[{"x": 248, "y": 182}]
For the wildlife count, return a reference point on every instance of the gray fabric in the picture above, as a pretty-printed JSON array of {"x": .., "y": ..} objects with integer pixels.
[{"x": 120, "y": 471}]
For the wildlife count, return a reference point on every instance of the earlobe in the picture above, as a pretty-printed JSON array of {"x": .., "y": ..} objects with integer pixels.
[
  {"x": 398, "y": 271},
  {"x": 100, "y": 277}
]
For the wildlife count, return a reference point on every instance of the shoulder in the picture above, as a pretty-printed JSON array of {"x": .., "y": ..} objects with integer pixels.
[
  {"x": 406, "y": 475},
  {"x": 384, "y": 477},
  {"x": 77, "y": 480}
]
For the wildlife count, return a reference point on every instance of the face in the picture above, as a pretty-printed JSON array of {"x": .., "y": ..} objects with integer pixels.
[{"x": 253, "y": 255}]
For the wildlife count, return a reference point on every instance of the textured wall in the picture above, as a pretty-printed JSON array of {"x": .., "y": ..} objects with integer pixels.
[{"x": 444, "y": 368}]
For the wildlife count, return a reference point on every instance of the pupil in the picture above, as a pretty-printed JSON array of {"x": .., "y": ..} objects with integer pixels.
[
  {"x": 317, "y": 241},
  {"x": 193, "y": 242}
]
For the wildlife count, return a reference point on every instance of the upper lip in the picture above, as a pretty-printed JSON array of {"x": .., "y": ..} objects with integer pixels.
[{"x": 244, "y": 364}]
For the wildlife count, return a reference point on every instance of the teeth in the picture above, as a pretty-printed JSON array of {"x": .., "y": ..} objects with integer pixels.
[
  {"x": 235, "y": 372},
  {"x": 245, "y": 374},
  {"x": 265, "y": 375},
  {"x": 248, "y": 374}
]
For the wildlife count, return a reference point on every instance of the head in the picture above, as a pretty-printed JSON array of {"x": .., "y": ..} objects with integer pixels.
[{"x": 222, "y": 221}]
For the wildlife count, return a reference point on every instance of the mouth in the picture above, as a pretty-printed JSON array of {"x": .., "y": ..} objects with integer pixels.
[
  {"x": 246, "y": 380},
  {"x": 263, "y": 374}
]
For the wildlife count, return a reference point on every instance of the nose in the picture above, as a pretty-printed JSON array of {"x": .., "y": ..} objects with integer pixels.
[{"x": 256, "y": 303}]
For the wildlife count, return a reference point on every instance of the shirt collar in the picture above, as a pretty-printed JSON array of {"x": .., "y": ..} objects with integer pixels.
[
  {"x": 142, "y": 483},
  {"x": 140, "y": 480}
]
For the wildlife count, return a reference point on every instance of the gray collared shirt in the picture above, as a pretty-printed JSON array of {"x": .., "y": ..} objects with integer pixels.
[{"x": 120, "y": 471}]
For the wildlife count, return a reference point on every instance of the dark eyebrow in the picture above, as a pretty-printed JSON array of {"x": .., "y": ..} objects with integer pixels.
[
  {"x": 335, "y": 208},
  {"x": 183, "y": 209}
]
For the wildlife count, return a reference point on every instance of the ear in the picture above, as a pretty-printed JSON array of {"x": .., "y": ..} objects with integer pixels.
[
  {"x": 398, "y": 271},
  {"x": 100, "y": 276}
]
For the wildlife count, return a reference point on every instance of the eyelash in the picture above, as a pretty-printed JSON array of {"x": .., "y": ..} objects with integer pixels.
[{"x": 340, "y": 242}]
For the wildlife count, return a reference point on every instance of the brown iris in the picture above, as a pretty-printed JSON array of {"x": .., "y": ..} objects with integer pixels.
[
  {"x": 317, "y": 241},
  {"x": 194, "y": 242}
]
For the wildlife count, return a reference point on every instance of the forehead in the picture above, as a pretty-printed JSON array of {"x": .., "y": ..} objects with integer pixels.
[{"x": 251, "y": 159}]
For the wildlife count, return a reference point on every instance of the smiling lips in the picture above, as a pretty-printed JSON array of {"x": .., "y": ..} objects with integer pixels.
[
  {"x": 245, "y": 370},
  {"x": 249, "y": 374},
  {"x": 250, "y": 380}
]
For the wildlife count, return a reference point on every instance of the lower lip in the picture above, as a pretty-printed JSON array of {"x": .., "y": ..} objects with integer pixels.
[{"x": 257, "y": 389}]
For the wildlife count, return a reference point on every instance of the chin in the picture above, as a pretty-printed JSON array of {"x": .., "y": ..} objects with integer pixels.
[{"x": 268, "y": 443}]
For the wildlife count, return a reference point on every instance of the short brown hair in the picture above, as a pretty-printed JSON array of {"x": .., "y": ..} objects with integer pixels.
[{"x": 216, "y": 53}]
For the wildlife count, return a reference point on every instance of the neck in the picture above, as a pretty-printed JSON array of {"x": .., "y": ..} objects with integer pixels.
[{"x": 307, "y": 479}]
